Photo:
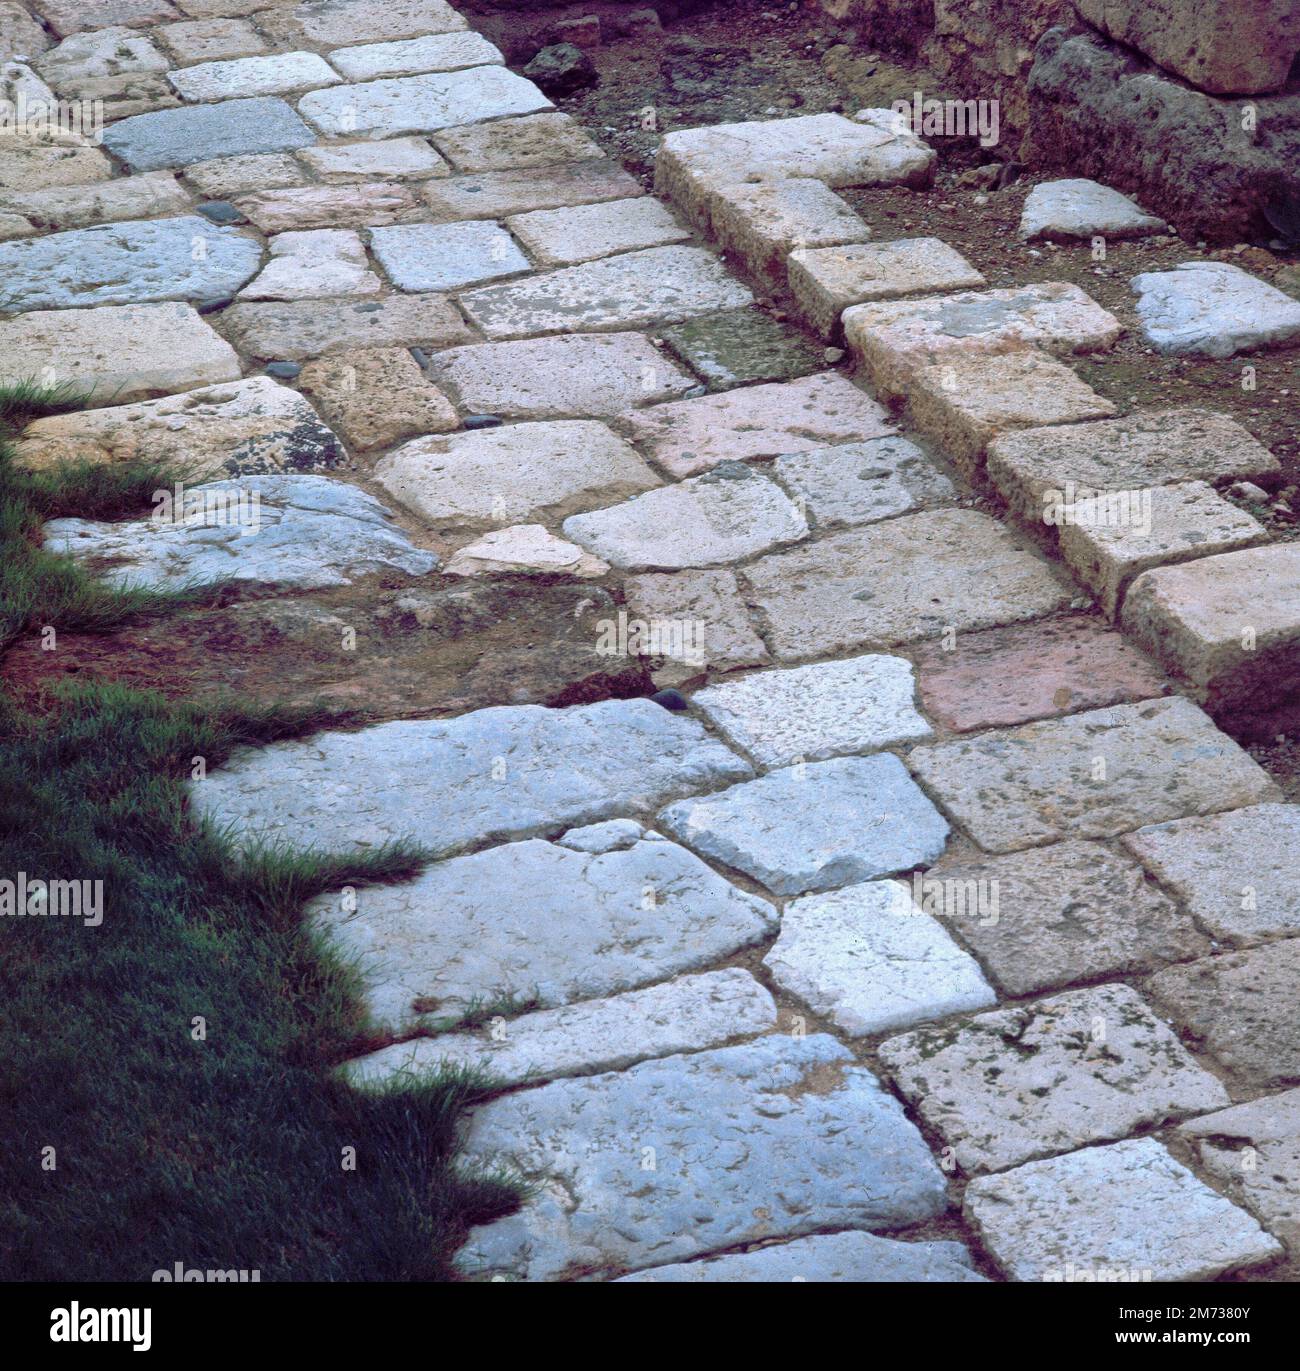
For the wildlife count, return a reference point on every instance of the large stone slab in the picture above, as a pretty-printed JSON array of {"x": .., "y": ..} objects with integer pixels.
[
  {"x": 764, "y": 222},
  {"x": 637, "y": 288},
  {"x": 535, "y": 140},
  {"x": 575, "y": 375},
  {"x": 386, "y": 159},
  {"x": 1213, "y": 309},
  {"x": 312, "y": 263},
  {"x": 899, "y": 581},
  {"x": 580, "y": 1039},
  {"x": 869, "y": 960},
  {"x": 72, "y": 16},
  {"x": 1062, "y": 211},
  {"x": 308, "y": 328},
  {"x": 691, "y": 436},
  {"x": 579, "y": 233},
  {"x": 534, "y": 920},
  {"x": 309, "y": 532},
  {"x": 273, "y": 74},
  {"x": 737, "y": 346},
  {"x": 511, "y": 475},
  {"x": 185, "y": 258},
  {"x": 117, "y": 353},
  {"x": 411, "y": 56},
  {"x": 250, "y": 427},
  {"x": 859, "y": 483},
  {"x": 231, "y": 128},
  {"x": 1091, "y": 775},
  {"x": 809, "y": 713},
  {"x": 1031, "y": 1081},
  {"x": 329, "y": 22},
  {"x": 496, "y": 194},
  {"x": 1075, "y": 911},
  {"x": 1235, "y": 872},
  {"x": 701, "y": 622},
  {"x": 488, "y": 776},
  {"x": 1128, "y": 1212},
  {"x": 421, "y": 104},
  {"x": 797, "y": 1138},
  {"x": 729, "y": 513},
  {"x": 211, "y": 40},
  {"x": 825, "y": 1257},
  {"x": 815, "y": 827},
  {"x": 377, "y": 396},
  {"x": 446, "y": 256},
  {"x": 333, "y": 206},
  {"x": 150, "y": 194},
  {"x": 224, "y": 177}
]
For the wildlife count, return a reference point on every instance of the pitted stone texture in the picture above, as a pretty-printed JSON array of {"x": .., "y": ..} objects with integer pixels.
[
  {"x": 707, "y": 602},
  {"x": 581, "y": 1039},
  {"x": 496, "y": 194},
  {"x": 535, "y": 920},
  {"x": 809, "y": 713},
  {"x": 114, "y": 51},
  {"x": 72, "y": 16},
  {"x": 634, "y": 289},
  {"x": 1235, "y": 872},
  {"x": 252, "y": 427},
  {"x": 535, "y": 140},
  {"x": 28, "y": 164},
  {"x": 1179, "y": 524},
  {"x": 124, "y": 96},
  {"x": 135, "y": 263},
  {"x": 1128, "y": 1212},
  {"x": 1042, "y": 670},
  {"x": 894, "y": 339},
  {"x": 859, "y": 483},
  {"x": 1066, "y": 210},
  {"x": 1253, "y": 1150},
  {"x": 825, "y": 1257},
  {"x": 1033, "y": 468},
  {"x": 445, "y": 256},
  {"x": 815, "y": 827},
  {"x": 899, "y": 581},
  {"x": 412, "y": 56},
  {"x": 308, "y": 328},
  {"x": 1230, "y": 624},
  {"x": 377, "y": 396},
  {"x": 311, "y": 532},
  {"x": 346, "y": 206},
  {"x": 339, "y": 21},
  {"x": 725, "y": 515},
  {"x": 514, "y": 474},
  {"x": 759, "y": 421},
  {"x": 1091, "y": 775},
  {"x": 692, "y": 164},
  {"x": 224, "y": 177},
  {"x": 869, "y": 960},
  {"x": 387, "y": 159},
  {"x": 20, "y": 32},
  {"x": 273, "y": 74},
  {"x": 583, "y": 375},
  {"x": 738, "y": 346},
  {"x": 964, "y": 405},
  {"x": 1071, "y": 912},
  {"x": 118, "y": 353},
  {"x": 562, "y": 237},
  {"x": 69, "y": 207},
  {"x": 524, "y": 547},
  {"x": 798, "y": 1138},
  {"x": 421, "y": 104},
  {"x": 1031, "y": 1081},
  {"x": 1240, "y": 1008},
  {"x": 313, "y": 263},
  {"x": 434, "y": 780},
  {"x": 231, "y": 128},
  {"x": 827, "y": 280},
  {"x": 762, "y": 224},
  {"x": 211, "y": 40},
  {"x": 1213, "y": 309}
]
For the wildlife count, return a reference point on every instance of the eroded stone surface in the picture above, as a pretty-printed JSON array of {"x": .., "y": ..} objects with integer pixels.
[
  {"x": 387, "y": 159},
  {"x": 113, "y": 51},
  {"x": 223, "y": 177},
  {"x": 312, "y": 263},
  {"x": 210, "y": 40},
  {"x": 377, "y": 396},
  {"x": 68, "y": 207},
  {"x": 524, "y": 547},
  {"x": 446, "y": 256},
  {"x": 859, "y": 483},
  {"x": 737, "y": 346},
  {"x": 273, "y": 74},
  {"x": 174, "y": 138},
  {"x": 1213, "y": 309},
  {"x": 28, "y": 164},
  {"x": 348, "y": 206},
  {"x": 1075, "y": 208},
  {"x": 535, "y": 140},
  {"x": 579, "y": 233},
  {"x": 496, "y": 194},
  {"x": 308, "y": 328},
  {"x": 339, "y": 21},
  {"x": 694, "y": 620},
  {"x": 411, "y": 56}
]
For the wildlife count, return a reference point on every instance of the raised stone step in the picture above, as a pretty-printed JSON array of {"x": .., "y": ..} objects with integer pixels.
[{"x": 762, "y": 224}]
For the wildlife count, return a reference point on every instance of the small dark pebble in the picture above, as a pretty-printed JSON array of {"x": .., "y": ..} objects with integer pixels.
[
  {"x": 694, "y": 393},
  {"x": 285, "y": 371},
  {"x": 421, "y": 357},
  {"x": 217, "y": 302},
  {"x": 220, "y": 212},
  {"x": 483, "y": 421},
  {"x": 671, "y": 699}
]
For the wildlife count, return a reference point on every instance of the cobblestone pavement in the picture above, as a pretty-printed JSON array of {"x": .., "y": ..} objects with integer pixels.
[{"x": 937, "y": 932}]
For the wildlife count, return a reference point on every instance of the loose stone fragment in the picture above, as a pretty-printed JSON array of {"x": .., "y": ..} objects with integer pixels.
[
  {"x": 339, "y": 21},
  {"x": 388, "y": 159},
  {"x": 612, "y": 835},
  {"x": 308, "y": 328},
  {"x": 561, "y": 237},
  {"x": 592, "y": 1035},
  {"x": 433, "y": 781},
  {"x": 150, "y": 194},
  {"x": 1213, "y": 309},
  {"x": 496, "y": 194},
  {"x": 634, "y": 289},
  {"x": 742, "y": 345},
  {"x": 800, "y": 1138},
  {"x": 588, "y": 375},
  {"x": 1070, "y": 912},
  {"x": 513, "y": 475},
  {"x": 524, "y": 547},
  {"x": 899, "y": 581},
  {"x": 1065, "y": 210},
  {"x": 764, "y": 223},
  {"x": 116, "y": 354},
  {"x": 314, "y": 263},
  {"x": 227, "y": 176},
  {"x": 348, "y": 206},
  {"x": 1128, "y": 1212},
  {"x": 232, "y": 128},
  {"x": 693, "y": 620},
  {"x": 444, "y": 256},
  {"x": 727, "y": 514},
  {"x": 809, "y": 713},
  {"x": 536, "y": 140},
  {"x": 826, "y": 1257},
  {"x": 1027, "y": 1082},
  {"x": 377, "y": 396},
  {"x": 859, "y": 483},
  {"x": 1091, "y": 775},
  {"x": 827, "y": 280},
  {"x": 760, "y": 421},
  {"x": 437, "y": 52},
  {"x": 274, "y": 74},
  {"x": 868, "y": 959},
  {"x": 815, "y": 827}
]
